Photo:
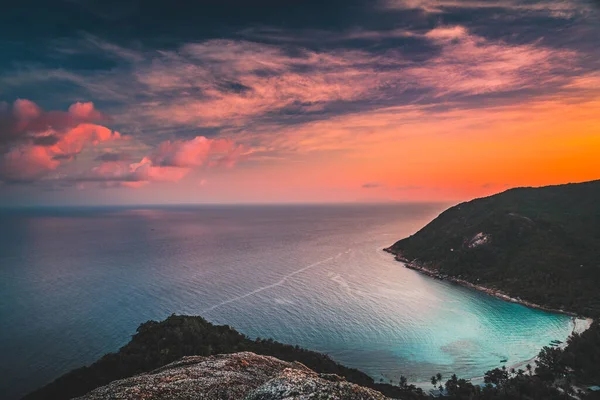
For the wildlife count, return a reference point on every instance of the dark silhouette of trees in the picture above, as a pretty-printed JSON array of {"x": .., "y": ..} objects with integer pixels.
[
  {"x": 529, "y": 369},
  {"x": 550, "y": 364}
]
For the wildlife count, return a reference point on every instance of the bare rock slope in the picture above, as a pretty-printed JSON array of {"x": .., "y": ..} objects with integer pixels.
[{"x": 239, "y": 376}]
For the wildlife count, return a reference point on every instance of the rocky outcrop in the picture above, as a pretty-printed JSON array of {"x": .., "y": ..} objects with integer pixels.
[{"x": 238, "y": 376}]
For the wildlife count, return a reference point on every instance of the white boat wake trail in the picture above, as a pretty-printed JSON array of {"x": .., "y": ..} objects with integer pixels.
[{"x": 278, "y": 283}]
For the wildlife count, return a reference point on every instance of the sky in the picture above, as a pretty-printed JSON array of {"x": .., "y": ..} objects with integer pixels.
[{"x": 232, "y": 101}]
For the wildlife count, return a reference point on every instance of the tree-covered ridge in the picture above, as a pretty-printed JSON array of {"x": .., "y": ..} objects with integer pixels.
[
  {"x": 539, "y": 244},
  {"x": 159, "y": 343}
]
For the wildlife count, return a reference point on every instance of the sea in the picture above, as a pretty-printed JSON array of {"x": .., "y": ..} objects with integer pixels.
[{"x": 76, "y": 282}]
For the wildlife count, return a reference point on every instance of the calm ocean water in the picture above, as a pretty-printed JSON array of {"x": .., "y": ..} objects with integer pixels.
[{"x": 75, "y": 284}]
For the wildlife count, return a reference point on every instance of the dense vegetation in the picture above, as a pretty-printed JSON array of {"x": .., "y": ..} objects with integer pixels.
[
  {"x": 544, "y": 245},
  {"x": 158, "y": 343}
]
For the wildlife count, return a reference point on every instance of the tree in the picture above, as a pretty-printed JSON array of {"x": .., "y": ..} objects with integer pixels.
[
  {"x": 550, "y": 364},
  {"x": 403, "y": 382},
  {"x": 460, "y": 388},
  {"x": 496, "y": 376}
]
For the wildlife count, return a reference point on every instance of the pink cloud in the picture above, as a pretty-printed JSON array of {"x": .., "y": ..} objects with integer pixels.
[
  {"x": 470, "y": 64},
  {"x": 145, "y": 170},
  {"x": 27, "y": 118},
  {"x": 447, "y": 33},
  {"x": 73, "y": 140},
  {"x": 170, "y": 162},
  {"x": 26, "y": 163},
  {"x": 86, "y": 112},
  {"x": 26, "y": 110},
  {"x": 241, "y": 81},
  {"x": 195, "y": 152},
  {"x": 38, "y": 142}
]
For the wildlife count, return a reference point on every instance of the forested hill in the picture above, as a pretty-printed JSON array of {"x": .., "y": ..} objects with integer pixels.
[{"x": 539, "y": 244}]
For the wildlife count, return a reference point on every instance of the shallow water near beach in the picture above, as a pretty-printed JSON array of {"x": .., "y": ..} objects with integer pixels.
[{"x": 75, "y": 284}]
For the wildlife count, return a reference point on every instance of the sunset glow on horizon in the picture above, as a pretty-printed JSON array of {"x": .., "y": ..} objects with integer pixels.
[{"x": 391, "y": 100}]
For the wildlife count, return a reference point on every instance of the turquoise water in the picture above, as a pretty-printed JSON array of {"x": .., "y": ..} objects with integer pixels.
[{"x": 75, "y": 284}]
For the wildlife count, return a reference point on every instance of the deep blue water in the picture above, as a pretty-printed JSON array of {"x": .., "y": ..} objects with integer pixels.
[{"x": 75, "y": 284}]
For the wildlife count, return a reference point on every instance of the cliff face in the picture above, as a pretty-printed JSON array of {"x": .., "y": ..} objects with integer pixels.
[{"x": 237, "y": 376}]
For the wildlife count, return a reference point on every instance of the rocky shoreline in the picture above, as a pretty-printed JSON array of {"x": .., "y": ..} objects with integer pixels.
[{"x": 415, "y": 265}]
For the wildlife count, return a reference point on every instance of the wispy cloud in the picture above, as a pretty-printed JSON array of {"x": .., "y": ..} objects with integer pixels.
[
  {"x": 372, "y": 185},
  {"x": 554, "y": 8},
  {"x": 220, "y": 84}
]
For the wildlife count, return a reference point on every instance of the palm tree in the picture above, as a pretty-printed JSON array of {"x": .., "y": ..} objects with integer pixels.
[
  {"x": 529, "y": 369},
  {"x": 403, "y": 381},
  {"x": 434, "y": 381}
]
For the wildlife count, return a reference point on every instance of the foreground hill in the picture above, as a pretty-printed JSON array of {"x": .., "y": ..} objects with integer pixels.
[
  {"x": 539, "y": 244},
  {"x": 233, "y": 377},
  {"x": 157, "y": 344}
]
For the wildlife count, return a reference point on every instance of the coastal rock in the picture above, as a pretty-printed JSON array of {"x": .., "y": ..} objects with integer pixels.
[{"x": 236, "y": 376}]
